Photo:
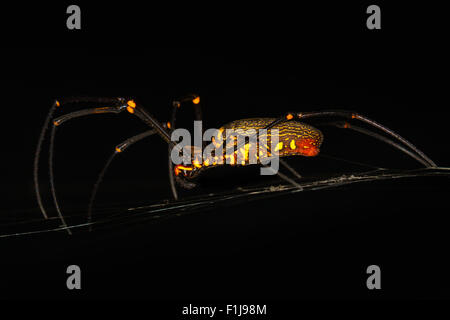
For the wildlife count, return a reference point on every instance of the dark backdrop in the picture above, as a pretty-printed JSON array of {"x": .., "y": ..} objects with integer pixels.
[{"x": 244, "y": 62}]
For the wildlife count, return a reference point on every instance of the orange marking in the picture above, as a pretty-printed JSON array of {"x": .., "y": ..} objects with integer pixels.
[
  {"x": 307, "y": 147},
  {"x": 353, "y": 115},
  {"x": 169, "y": 125},
  {"x": 57, "y": 103},
  {"x": 131, "y": 105},
  {"x": 289, "y": 116},
  {"x": 118, "y": 150},
  {"x": 196, "y": 100},
  {"x": 184, "y": 168},
  {"x": 197, "y": 164},
  {"x": 180, "y": 167}
]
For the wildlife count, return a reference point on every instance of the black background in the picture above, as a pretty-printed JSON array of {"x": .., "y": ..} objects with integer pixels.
[{"x": 244, "y": 62}]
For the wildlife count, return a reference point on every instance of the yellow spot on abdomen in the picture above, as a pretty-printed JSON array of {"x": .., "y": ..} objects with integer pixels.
[
  {"x": 279, "y": 146},
  {"x": 292, "y": 145}
]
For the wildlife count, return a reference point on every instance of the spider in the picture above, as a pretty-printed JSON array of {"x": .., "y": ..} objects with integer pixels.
[{"x": 296, "y": 138}]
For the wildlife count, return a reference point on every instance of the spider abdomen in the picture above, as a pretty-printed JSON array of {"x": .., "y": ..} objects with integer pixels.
[{"x": 294, "y": 137}]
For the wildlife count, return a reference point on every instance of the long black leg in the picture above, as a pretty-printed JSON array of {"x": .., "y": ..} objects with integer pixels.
[
  {"x": 119, "y": 149},
  {"x": 152, "y": 122},
  {"x": 285, "y": 178},
  {"x": 56, "y": 123},
  {"x": 86, "y": 112},
  {"x": 120, "y": 104},
  {"x": 292, "y": 170},
  {"x": 357, "y": 116},
  {"x": 371, "y": 122},
  {"x": 176, "y": 104},
  {"x": 131, "y": 107},
  {"x": 101, "y": 100},
  {"x": 52, "y": 181},
  {"x": 37, "y": 154},
  {"x": 346, "y": 125}
]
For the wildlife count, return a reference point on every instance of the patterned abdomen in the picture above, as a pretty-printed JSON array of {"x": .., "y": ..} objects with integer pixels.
[{"x": 295, "y": 138}]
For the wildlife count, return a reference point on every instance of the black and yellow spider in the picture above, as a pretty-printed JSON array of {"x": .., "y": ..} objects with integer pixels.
[{"x": 295, "y": 139}]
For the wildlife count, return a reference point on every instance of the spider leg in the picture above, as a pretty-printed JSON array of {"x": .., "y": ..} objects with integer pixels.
[
  {"x": 36, "y": 158},
  {"x": 176, "y": 104},
  {"x": 286, "y": 178},
  {"x": 119, "y": 149},
  {"x": 129, "y": 105},
  {"x": 52, "y": 183},
  {"x": 42, "y": 137},
  {"x": 292, "y": 170},
  {"x": 346, "y": 125},
  {"x": 352, "y": 115},
  {"x": 56, "y": 123}
]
